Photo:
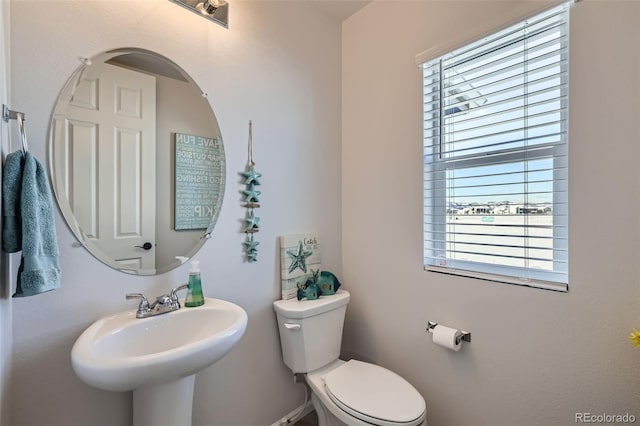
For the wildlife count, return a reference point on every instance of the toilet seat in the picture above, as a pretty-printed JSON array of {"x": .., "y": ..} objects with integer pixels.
[{"x": 374, "y": 394}]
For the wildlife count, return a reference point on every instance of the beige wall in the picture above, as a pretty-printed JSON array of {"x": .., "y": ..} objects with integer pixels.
[
  {"x": 279, "y": 65},
  {"x": 536, "y": 357},
  {"x": 181, "y": 109}
]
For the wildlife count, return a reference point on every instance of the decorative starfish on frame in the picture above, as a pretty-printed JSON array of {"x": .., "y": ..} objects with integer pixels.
[
  {"x": 251, "y": 176},
  {"x": 253, "y": 221},
  {"x": 298, "y": 258},
  {"x": 251, "y": 195}
]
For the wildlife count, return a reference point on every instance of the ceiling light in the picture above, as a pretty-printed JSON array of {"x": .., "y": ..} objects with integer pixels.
[{"x": 215, "y": 10}]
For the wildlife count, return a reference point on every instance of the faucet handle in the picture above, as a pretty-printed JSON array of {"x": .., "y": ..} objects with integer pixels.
[
  {"x": 144, "y": 302},
  {"x": 174, "y": 291}
]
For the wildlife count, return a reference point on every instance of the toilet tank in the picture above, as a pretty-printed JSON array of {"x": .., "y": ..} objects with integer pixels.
[{"x": 311, "y": 330}]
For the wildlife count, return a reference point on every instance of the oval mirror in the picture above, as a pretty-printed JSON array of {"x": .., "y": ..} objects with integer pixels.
[{"x": 137, "y": 161}]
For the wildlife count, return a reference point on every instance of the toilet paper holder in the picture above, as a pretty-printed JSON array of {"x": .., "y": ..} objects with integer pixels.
[{"x": 465, "y": 335}]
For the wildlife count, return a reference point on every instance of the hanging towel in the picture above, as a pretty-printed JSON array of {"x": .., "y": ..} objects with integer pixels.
[
  {"x": 11, "y": 184},
  {"x": 39, "y": 270}
]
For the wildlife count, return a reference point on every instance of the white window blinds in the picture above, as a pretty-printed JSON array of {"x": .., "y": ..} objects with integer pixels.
[{"x": 495, "y": 155}]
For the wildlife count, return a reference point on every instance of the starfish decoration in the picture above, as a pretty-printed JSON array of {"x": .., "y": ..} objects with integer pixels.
[
  {"x": 253, "y": 221},
  {"x": 251, "y": 249},
  {"x": 251, "y": 246},
  {"x": 251, "y": 195},
  {"x": 251, "y": 176},
  {"x": 299, "y": 258}
]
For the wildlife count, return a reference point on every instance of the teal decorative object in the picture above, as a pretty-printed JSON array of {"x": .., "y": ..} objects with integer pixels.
[
  {"x": 301, "y": 288},
  {"x": 251, "y": 200},
  {"x": 299, "y": 254},
  {"x": 314, "y": 277},
  {"x": 312, "y": 292},
  {"x": 310, "y": 289},
  {"x": 298, "y": 258},
  {"x": 253, "y": 221},
  {"x": 251, "y": 176},
  {"x": 251, "y": 245},
  {"x": 328, "y": 283},
  {"x": 251, "y": 249},
  {"x": 199, "y": 181},
  {"x": 251, "y": 195}
]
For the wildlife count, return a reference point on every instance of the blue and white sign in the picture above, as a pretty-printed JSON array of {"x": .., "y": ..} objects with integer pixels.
[{"x": 199, "y": 180}]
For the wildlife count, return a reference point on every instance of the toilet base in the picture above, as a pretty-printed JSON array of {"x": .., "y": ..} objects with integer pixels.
[{"x": 325, "y": 418}]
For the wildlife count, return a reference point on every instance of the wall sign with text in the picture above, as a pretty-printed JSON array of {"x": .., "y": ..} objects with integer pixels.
[{"x": 199, "y": 180}]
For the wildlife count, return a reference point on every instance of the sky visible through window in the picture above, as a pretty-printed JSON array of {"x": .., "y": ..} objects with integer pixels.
[{"x": 511, "y": 99}]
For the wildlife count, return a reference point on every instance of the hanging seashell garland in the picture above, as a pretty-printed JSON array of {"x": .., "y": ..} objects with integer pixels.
[{"x": 251, "y": 201}]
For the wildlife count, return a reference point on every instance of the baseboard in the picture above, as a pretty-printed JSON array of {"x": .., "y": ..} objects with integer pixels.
[{"x": 307, "y": 410}]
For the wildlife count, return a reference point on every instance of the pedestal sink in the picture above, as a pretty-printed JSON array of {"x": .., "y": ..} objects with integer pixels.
[{"x": 157, "y": 357}]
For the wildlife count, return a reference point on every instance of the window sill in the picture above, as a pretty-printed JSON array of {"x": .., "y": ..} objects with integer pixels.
[{"x": 545, "y": 285}]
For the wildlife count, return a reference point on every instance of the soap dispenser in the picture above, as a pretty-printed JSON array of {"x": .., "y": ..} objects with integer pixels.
[{"x": 194, "y": 293}]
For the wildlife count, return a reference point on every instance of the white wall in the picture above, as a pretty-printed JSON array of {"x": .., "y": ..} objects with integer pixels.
[
  {"x": 536, "y": 357},
  {"x": 279, "y": 65},
  {"x": 5, "y": 267}
]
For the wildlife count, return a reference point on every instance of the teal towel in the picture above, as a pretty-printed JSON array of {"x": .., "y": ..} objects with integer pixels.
[
  {"x": 39, "y": 270},
  {"x": 11, "y": 184}
]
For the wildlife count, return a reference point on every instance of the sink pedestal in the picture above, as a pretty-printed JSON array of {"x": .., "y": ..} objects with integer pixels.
[{"x": 166, "y": 404}]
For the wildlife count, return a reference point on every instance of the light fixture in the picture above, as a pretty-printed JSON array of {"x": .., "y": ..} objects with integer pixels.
[
  {"x": 215, "y": 10},
  {"x": 209, "y": 7}
]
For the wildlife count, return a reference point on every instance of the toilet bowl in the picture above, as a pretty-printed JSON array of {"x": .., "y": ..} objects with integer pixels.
[
  {"x": 352, "y": 393},
  {"x": 356, "y": 393}
]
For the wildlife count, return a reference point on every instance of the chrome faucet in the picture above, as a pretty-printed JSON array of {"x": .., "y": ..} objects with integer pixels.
[{"x": 162, "y": 305}]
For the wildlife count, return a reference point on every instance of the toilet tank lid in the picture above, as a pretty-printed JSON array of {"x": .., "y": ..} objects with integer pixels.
[{"x": 294, "y": 308}]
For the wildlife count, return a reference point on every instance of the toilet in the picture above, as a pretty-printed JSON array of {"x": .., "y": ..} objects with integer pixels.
[{"x": 351, "y": 393}]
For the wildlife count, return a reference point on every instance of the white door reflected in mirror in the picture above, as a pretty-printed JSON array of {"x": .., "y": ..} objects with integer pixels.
[{"x": 112, "y": 144}]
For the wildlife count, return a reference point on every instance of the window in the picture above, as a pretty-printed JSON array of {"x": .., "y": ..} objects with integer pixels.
[{"x": 495, "y": 156}]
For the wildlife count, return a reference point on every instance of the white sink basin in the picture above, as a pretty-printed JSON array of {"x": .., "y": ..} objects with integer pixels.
[{"x": 121, "y": 352}]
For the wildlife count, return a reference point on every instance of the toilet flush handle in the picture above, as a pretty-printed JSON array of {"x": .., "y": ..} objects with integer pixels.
[{"x": 292, "y": 326}]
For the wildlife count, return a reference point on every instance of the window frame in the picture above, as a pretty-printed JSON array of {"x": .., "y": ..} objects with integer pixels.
[{"x": 435, "y": 166}]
